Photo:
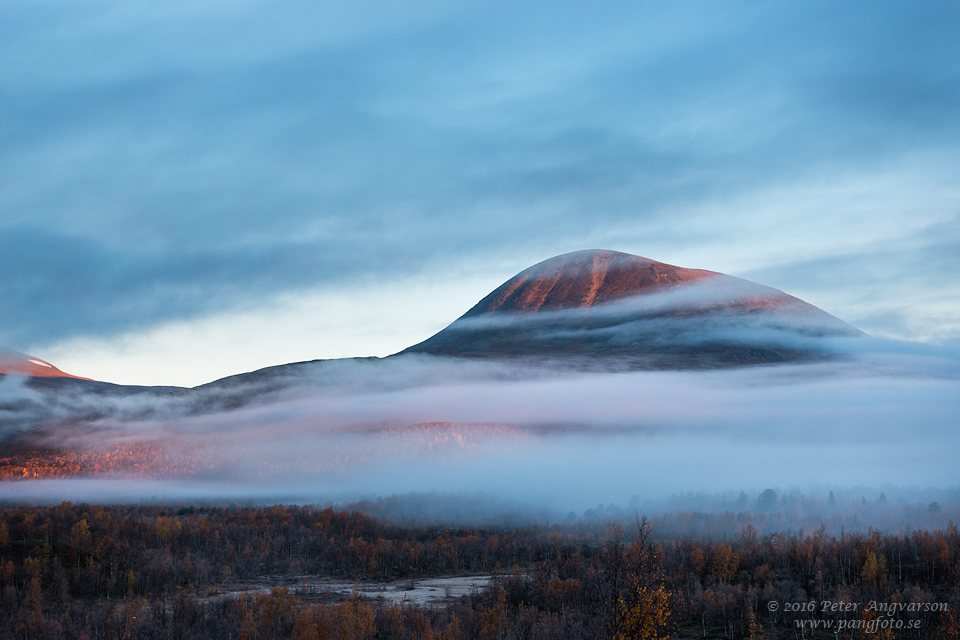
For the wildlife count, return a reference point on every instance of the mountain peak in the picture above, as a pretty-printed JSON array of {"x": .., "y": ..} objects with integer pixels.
[
  {"x": 583, "y": 279},
  {"x": 610, "y": 304}
]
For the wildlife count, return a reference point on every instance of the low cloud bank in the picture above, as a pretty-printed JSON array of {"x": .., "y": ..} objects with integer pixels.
[{"x": 563, "y": 438}]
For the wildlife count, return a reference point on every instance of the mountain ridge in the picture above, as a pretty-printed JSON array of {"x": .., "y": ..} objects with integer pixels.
[{"x": 578, "y": 305}]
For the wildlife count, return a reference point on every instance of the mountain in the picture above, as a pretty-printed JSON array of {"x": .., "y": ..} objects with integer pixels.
[
  {"x": 600, "y": 304},
  {"x": 21, "y": 364},
  {"x": 598, "y": 308}
]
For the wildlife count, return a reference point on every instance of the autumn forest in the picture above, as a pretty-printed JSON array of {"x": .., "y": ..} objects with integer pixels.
[{"x": 137, "y": 572}]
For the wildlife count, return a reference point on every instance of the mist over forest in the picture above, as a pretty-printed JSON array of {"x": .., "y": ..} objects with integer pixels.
[{"x": 556, "y": 435}]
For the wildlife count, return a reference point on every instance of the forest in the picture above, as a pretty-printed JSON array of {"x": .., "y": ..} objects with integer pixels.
[{"x": 76, "y": 571}]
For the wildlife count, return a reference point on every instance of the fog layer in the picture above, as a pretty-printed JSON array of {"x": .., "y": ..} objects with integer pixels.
[{"x": 561, "y": 437}]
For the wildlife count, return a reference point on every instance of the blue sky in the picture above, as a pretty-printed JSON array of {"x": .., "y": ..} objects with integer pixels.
[{"x": 193, "y": 189}]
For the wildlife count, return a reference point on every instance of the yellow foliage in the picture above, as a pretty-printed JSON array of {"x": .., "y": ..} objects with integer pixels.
[
  {"x": 756, "y": 629},
  {"x": 354, "y": 620},
  {"x": 873, "y": 620},
  {"x": 873, "y": 569},
  {"x": 453, "y": 629},
  {"x": 80, "y": 534},
  {"x": 495, "y": 622},
  {"x": 646, "y": 618},
  {"x": 305, "y": 627},
  {"x": 725, "y": 563}
]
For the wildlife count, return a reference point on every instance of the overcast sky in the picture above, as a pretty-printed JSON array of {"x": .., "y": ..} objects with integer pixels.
[{"x": 195, "y": 188}]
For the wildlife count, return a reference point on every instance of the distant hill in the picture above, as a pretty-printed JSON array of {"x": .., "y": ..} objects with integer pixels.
[
  {"x": 21, "y": 364},
  {"x": 607, "y": 303}
]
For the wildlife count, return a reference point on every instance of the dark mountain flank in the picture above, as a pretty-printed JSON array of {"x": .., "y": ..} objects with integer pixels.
[{"x": 600, "y": 304}]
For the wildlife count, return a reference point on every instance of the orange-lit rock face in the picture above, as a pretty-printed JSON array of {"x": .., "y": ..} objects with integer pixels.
[
  {"x": 584, "y": 279},
  {"x": 15, "y": 363}
]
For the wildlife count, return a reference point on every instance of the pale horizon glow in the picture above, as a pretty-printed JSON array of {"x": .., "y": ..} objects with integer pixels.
[{"x": 321, "y": 324}]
